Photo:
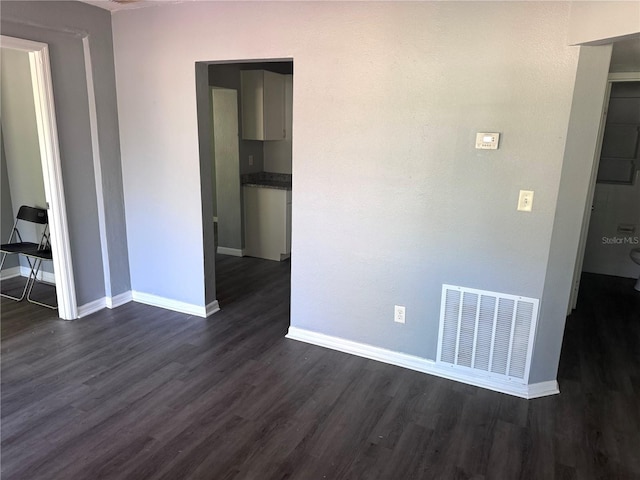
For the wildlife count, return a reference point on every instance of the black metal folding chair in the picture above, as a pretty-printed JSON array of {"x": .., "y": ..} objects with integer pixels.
[{"x": 35, "y": 253}]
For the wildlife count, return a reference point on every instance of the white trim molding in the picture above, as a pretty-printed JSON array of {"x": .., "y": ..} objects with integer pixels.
[
  {"x": 235, "y": 252},
  {"x": 91, "y": 307},
  {"x": 97, "y": 166},
  {"x": 212, "y": 308},
  {"x": 104, "y": 302},
  {"x": 23, "y": 271},
  {"x": 423, "y": 365},
  {"x": 543, "y": 389},
  {"x": 147, "y": 299},
  {"x": 170, "y": 304},
  {"x": 8, "y": 273},
  {"x": 42, "y": 276},
  {"x": 120, "y": 299}
]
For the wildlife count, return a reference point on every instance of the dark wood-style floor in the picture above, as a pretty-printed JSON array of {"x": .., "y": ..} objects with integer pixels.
[{"x": 142, "y": 393}]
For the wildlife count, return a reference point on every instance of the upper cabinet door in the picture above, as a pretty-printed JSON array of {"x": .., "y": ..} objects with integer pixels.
[{"x": 263, "y": 99}]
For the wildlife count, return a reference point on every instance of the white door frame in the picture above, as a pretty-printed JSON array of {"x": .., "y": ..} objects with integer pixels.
[
  {"x": 51, "y": 169},
  {"x": 613, "y": 78}
]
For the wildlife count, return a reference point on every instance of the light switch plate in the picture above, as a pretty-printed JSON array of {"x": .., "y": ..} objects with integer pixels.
[
  {"x": 525, "y": 200},
  {"x": 487, "y": 141}
]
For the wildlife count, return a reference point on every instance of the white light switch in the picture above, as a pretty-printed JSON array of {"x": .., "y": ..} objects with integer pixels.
[
  {"x": 525, "y": 201},
  {"x": 487, "y": 141}
]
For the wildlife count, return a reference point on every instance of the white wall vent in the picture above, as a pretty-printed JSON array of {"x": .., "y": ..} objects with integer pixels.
[{"x": 487, "y": 333}]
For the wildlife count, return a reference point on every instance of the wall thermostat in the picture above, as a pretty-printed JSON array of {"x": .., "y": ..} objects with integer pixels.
[{"x": 487, "y": 141}]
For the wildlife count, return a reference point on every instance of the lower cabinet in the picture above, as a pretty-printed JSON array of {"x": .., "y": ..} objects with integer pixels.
[{"x": 267, "y": 222}]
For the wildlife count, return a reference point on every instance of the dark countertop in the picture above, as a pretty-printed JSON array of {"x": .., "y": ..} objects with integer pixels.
[
  {"x": 276, "y": 185},
  {"x": 279, "y": 181}
]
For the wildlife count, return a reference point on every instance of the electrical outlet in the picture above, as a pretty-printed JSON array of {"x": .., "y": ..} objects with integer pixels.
[
  {"x": 250, "y": 160},
  {"x": 398, "y": 314},
  {"x": 525, "y": 201}
]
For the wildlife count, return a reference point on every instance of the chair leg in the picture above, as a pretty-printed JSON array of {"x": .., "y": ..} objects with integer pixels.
[
  {"x": 33, "y": 277},
  {"x": 26, "y": 285}
]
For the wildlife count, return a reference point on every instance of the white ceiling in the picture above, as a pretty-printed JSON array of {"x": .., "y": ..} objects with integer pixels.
[{"x": 113, "y": 6}]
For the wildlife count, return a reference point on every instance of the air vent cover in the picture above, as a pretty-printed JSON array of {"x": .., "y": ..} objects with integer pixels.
[{"x": 487, "y": 332}]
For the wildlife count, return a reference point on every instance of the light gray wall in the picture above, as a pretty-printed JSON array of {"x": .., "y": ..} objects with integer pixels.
[
  {"x": 577, "y": 168},
  {"x": 7, "y": 216},
  {"x": 62, "y": 25},
  {"x": 101, "y": 44},
  {"x": 391, "y": 198},
  {"x": 207, "y": 179},
  {"x": 597, "y": 23}
]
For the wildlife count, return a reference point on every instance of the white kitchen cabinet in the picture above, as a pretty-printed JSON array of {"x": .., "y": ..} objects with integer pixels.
[
  {"x": 263, "y": 105},
  {"x": 267, "y": 223}
]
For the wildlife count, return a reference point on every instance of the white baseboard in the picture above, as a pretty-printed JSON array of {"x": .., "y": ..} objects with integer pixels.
[
  {"x": 147, "y": 299},
  {"x": 169, "y": 304},
  {"x": 24, "y": 272},
  {"x": 423, "y": 365},
  {"x": 104, "y": 302},
  {"x": 120, "y": 299},
  {"x": 43, "y": 276},
  {"x": 8, "y": 273},
  {"x": 46, "y": 277},
  {"x": 212, "y": 308},
  {"x": 235, "y": 252},
  {"x": 543, "y": 389},
  {"x": 91, "y": 307}
]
